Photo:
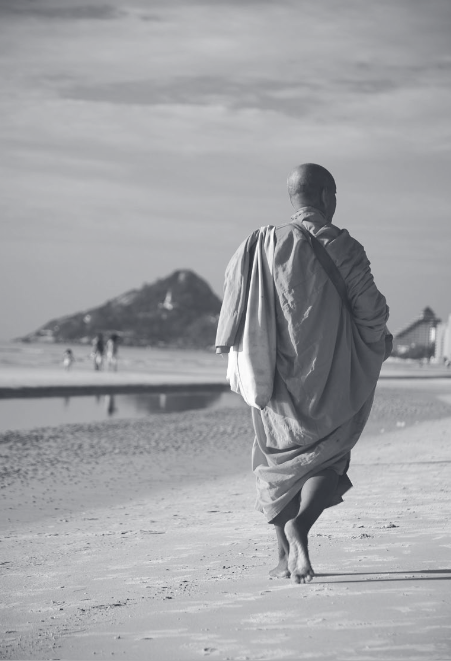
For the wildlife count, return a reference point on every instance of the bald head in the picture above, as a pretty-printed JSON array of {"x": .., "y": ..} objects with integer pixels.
[{"x": 312, "y": 185}]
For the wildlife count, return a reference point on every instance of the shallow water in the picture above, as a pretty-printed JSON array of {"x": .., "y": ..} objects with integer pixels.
[{"x": 49, "y": 411}]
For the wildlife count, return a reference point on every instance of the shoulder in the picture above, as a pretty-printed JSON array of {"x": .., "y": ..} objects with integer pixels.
[
  {"x": 345, "y": 250},
  {"x": 242, "y": 254},
  {"x": 282, "y": 231},
  {"x": 339, "y": 240},
  {"x": 246, "y": 244},
  {"x": 252, "y": 238}
]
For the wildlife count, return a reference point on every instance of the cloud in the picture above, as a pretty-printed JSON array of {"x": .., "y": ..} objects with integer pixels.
[
  {"x": 201, "y": 91},
  {"x": 72, "y": 12},
  {"x": 69, "y": 13},
  {"x": 172, "y": 129},
  {"x": 297, "y": 98}
]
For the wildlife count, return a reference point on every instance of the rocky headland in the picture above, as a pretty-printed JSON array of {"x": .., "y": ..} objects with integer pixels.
[{"x": 180, "y": 310}]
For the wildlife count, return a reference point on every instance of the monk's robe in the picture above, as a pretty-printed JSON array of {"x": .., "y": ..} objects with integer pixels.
[{"x": 306, "y": 365}]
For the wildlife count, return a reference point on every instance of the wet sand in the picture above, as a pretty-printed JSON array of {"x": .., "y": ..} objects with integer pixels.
[{"x": 138, "y": 539}]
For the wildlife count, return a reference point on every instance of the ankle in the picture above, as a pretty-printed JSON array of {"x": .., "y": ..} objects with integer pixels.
[
  {"x": 299, "y": 525},
  {"x": 282, "y": 554}
]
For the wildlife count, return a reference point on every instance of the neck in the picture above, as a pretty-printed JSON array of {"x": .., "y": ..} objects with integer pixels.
[{"x": 311, "y": 211}]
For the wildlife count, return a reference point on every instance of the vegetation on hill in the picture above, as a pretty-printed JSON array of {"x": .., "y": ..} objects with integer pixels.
[{"x": 178, "y": 311}]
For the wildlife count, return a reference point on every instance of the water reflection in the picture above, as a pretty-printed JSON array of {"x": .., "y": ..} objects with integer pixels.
[
  {"x": 43, "y": 411},
  {"x": 172, "y": 402},
  {"x": 159, "y": 402},
  {"x": 110, "y": 405}
]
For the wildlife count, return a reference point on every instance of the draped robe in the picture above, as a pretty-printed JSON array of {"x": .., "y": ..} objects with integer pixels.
[{"x": 320, "y": 363}]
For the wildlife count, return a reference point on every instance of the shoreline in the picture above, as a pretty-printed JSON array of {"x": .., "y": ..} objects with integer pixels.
[
  {"x": 25, "y": 382},
  {"x": 25, "y": 392}
]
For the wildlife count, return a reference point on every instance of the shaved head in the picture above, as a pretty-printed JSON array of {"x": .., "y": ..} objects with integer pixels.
[{"x": 310, "y": 184}]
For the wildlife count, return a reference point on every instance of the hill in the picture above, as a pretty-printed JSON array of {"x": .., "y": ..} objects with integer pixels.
[{"x": 178, "y": 311}]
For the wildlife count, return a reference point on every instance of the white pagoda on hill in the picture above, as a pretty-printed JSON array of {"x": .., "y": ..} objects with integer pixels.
[{"x": 442, "y": 352}]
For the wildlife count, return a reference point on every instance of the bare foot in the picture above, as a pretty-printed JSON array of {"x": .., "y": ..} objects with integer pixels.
[
  {"x": 281, "y": 571},
  {"x": 298, "y": 558}
]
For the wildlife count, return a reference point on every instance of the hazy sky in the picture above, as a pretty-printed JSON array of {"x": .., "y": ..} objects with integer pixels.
[{"x": 139, "y": 137}]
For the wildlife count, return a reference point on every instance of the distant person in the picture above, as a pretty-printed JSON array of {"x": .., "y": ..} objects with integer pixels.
[
  {"x": 305, "y": 329},
  {"x": 111, "y": 351},
  {"x": 98, "y": 349},
  {"x": 68, "y": 359}
]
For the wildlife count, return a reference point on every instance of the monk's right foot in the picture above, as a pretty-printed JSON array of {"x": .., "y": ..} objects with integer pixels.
[
  {"x": 281, "y": 571},
  {"x": 299, "y": 565}
]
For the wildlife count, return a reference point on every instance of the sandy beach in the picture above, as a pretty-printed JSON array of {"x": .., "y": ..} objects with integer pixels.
[{"x": 138, "y": 539}]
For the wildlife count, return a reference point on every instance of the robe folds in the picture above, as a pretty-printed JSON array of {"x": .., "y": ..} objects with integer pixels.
[{"x": 306, "y": 366}]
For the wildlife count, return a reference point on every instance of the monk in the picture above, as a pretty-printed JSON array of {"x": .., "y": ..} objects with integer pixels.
[{"x": 306, "y": 335}]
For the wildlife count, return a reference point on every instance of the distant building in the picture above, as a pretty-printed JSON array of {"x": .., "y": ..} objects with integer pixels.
[{"x": 418, "y": 339}]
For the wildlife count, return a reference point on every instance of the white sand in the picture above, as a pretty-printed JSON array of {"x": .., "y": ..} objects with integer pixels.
[{"x": 139, "y": 540}]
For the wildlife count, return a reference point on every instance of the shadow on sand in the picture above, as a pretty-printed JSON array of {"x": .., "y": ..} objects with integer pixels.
[{"x": 387, "y": 576}]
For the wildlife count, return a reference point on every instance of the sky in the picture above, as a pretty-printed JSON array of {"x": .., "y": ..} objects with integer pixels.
[{"x": 141, "y": 137}]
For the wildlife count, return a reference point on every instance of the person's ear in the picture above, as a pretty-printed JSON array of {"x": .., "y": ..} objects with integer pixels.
[{"x": 324, "y": 197}]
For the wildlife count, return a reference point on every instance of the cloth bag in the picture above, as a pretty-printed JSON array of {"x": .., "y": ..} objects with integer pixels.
[{"x": 252, "y": 359}]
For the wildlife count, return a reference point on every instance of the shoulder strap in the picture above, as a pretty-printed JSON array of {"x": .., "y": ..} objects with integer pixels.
[{"x": 328, "y": 265}]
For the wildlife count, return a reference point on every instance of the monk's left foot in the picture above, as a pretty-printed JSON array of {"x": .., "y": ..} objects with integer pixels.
[
  {"x": 281, "y": 571},
  {"x": 298, "y": 558}
]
